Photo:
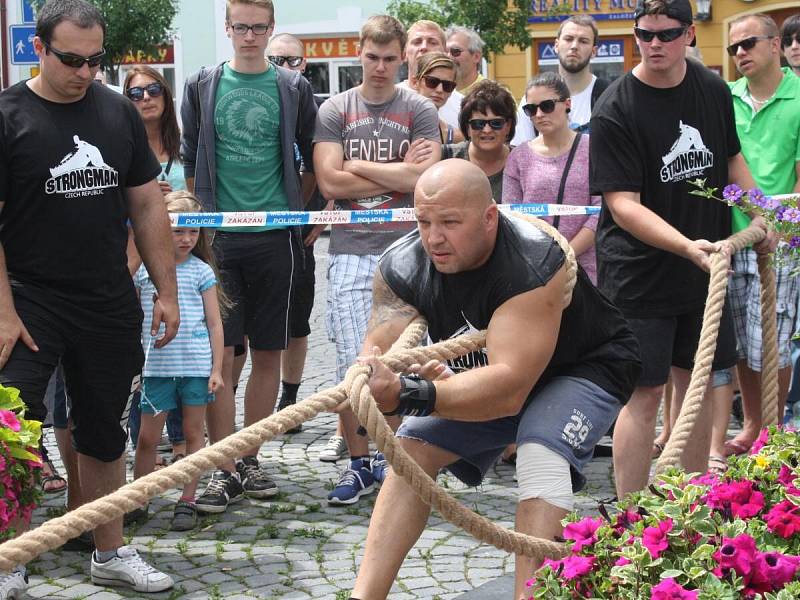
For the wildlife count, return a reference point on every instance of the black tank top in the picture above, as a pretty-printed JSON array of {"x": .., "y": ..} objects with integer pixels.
[{"x": 594, "y": 341}]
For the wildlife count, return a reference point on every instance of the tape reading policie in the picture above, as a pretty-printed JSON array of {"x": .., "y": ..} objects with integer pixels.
[{"x": 341, "y": 217}]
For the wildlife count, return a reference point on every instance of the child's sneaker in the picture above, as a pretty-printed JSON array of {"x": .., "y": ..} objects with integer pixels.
[
  {"x": 353, "y": 483},
  {"x": 13, "y": 585},
  {"x": 223, "y": 489},
  {"x": 184, "y": 518},
  {"x": 129, "y": 570},
  {"x": 254, "y": 481},
  {"x": 335, "y": 449}
]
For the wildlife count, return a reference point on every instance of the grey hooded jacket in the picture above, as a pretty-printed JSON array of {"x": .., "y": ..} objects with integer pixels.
[{"x": 298, "y": 116}]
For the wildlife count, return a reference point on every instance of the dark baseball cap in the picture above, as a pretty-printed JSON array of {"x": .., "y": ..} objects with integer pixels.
[{"x": 680, "y": 10}]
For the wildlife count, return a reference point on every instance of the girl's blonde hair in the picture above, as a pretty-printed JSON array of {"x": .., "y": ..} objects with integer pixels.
[
  {"x": 433, "y": 60},
  {"x": 182, "y": 201}
]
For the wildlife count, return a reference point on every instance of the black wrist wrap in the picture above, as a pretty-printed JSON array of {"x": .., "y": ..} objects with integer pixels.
[{"x": 417, "y": 397}]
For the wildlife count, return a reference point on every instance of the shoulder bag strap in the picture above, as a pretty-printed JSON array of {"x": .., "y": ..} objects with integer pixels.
[{"x": 565, "y": 174}]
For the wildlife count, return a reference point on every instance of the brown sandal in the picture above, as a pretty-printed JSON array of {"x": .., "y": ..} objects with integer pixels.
[
  {"x": 658, "y": 448},
  {"x": 717, "y": 465}
]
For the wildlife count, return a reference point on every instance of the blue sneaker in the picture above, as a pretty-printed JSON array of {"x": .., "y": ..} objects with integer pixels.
[
  {"x": 353, "y": 483},
  {"x": 380, "y": 467}
]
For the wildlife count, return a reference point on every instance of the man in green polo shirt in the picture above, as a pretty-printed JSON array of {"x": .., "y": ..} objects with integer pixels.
[{"x": 766, "y": 103}]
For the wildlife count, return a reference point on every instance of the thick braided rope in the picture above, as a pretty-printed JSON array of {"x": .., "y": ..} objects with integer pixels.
[
  {"x": 484, "y": 530},
  {"x": 693, "y": 401},
  {"x": 55, "y": 532},
  {"x": 769, "y": 343}
]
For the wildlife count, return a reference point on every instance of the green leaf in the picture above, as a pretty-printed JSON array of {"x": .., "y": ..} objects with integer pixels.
[
  {"x": 671, "y": 573},
  {"x": 21, "y": 454}
]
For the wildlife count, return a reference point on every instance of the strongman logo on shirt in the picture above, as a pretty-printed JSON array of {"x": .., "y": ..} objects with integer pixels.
[
  {"x": 245, "y": 119},
  {"x": 82, "y": 172},
  {"x": 471, "y": 360},
  {"x": 688, "y": 156}
]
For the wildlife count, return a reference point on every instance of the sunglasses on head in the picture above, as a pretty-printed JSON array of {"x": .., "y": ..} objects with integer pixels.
[
  {"x": 434, "y": 82},
  {"x": 75, "y": 60},
  {"x": 546, "y": 106},
  {"x": 154, "y": 90},
  {"x": 292, "y": 61},
  {"x": 478, "y": 124},
  {"x": 455, "y": 52},
  {"x": 787, "y": 40},
  {"x": 746, "y": 44},
  {"x": 665, "y": 35}
]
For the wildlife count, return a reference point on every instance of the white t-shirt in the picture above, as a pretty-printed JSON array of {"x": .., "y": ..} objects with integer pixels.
[
  {"x": 579, "y": 115},
  {"x": 582, "y": 106},
  {"x": 449, "y": 112}
]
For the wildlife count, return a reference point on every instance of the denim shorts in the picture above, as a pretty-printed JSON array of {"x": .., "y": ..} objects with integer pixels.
[
  {"x": 163, "y": 393},
  {"x": 568, "y": 415}
]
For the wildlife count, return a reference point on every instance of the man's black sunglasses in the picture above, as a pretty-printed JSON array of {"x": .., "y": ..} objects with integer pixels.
[
  {"x": 75, "y": 60},
  {"x": 747, "y": 43},
  {"x": 665, "y": 35},
  {"x": 434, "y": 82},
  {"x": 154, "y": 90},
  {"x": 292, "y": 61},
  {"x": 496, "y": 124},
  {"x": 547, "y": 106}
]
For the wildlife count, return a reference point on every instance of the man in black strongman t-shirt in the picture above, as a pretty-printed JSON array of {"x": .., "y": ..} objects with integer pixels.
[
  {"x": 551, "y": 378},
  {"x": 663, "y": 124},
  {"x": 74, "y": 167}
]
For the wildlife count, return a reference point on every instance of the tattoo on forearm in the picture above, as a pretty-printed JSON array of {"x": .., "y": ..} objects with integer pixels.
[{"x": 386, "y": 305}]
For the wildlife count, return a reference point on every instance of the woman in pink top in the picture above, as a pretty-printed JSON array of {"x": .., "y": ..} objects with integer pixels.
[{"x": 534, "y": 170}]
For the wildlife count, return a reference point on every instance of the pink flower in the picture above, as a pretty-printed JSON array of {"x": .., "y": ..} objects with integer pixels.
[
  {"x": 669, "y": 590},
  {"x": 655, "y": 538},
  {"x": 708, "y": 479},
  {"x": 583, "y": 532},
  {"x": 783, "y": 519},
  {"x": 9, "y": 419},
  {"x": 772, "y": 570},
  {"x": 625, "y": 520},
  {"x": 622, "y": 561},
  {"x": 737, "y": 497},
  {"x": 577, "y": 566},
  {"x": 737, "y": 553},
  {"x": 760, "y": 442}
]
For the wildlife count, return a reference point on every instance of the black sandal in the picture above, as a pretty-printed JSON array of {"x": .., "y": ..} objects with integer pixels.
[{"x": 53, "y": 477}]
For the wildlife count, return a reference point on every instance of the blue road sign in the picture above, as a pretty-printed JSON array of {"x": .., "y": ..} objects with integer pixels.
[
  {"x": 22, "y": 45},
  {"x": 27, "y": 12}
]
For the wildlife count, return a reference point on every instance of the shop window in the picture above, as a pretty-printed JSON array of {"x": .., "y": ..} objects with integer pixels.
[{"x": 318, "y": 75}]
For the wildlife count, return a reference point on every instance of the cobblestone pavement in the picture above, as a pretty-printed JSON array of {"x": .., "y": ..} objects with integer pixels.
[{"x": 296, "y": 546}]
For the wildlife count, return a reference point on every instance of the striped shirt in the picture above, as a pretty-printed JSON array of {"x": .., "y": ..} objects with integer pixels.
[{"x": 189, "y": 354}]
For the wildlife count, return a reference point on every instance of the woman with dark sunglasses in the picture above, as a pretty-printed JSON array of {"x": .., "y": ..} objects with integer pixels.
[
  {"x": 487, "y": 119},
  {"x": 553, "y": 168},
  {"x": 152, "y": 97},
  {"x": 435, "y": 79}
]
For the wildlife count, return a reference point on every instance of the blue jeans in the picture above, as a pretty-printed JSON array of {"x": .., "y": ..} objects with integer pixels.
[{"x": 174, "y": 422}]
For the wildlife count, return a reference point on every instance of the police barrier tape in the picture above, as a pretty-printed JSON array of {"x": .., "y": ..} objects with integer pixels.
[{"x": 343, "y": 217}]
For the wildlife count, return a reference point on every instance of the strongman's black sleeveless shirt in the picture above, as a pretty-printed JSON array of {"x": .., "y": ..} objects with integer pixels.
[{"x": 594, "y": 342}]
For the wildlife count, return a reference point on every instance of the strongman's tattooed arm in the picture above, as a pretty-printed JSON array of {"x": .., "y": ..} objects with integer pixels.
[{"x": 389, "y": 318}]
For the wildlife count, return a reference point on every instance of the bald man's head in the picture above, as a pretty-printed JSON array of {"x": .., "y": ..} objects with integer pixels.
[
  {"x": 455, "y": 181},
  {"x": 456, "y": 216}
]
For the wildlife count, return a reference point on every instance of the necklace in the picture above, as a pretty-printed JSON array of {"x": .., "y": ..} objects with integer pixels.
[
  {"x": 382, "y": 118},
  {"x": 757, "y": 101}
]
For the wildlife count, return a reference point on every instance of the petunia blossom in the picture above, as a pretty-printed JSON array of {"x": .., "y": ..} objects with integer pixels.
[
  {"x": 584, "y": 532},
  {"x": 737, "y": 497},
  {"x": 783, "y": 519},
  {"x": 669, "y": 589},
  {"x": 760, "y": 442},
  {"x": 655, "y": 538},
  {"x": 737, "y": 553},
  {"x": 577, "y": 566},
  {"x": 9, "y": 419}
]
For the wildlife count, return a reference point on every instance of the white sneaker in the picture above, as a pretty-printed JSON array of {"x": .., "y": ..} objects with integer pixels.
[
  {"x": 13, "y": 585},
  {"x": 336, "y": 449},
  {"x": 128, "y": 569}
]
